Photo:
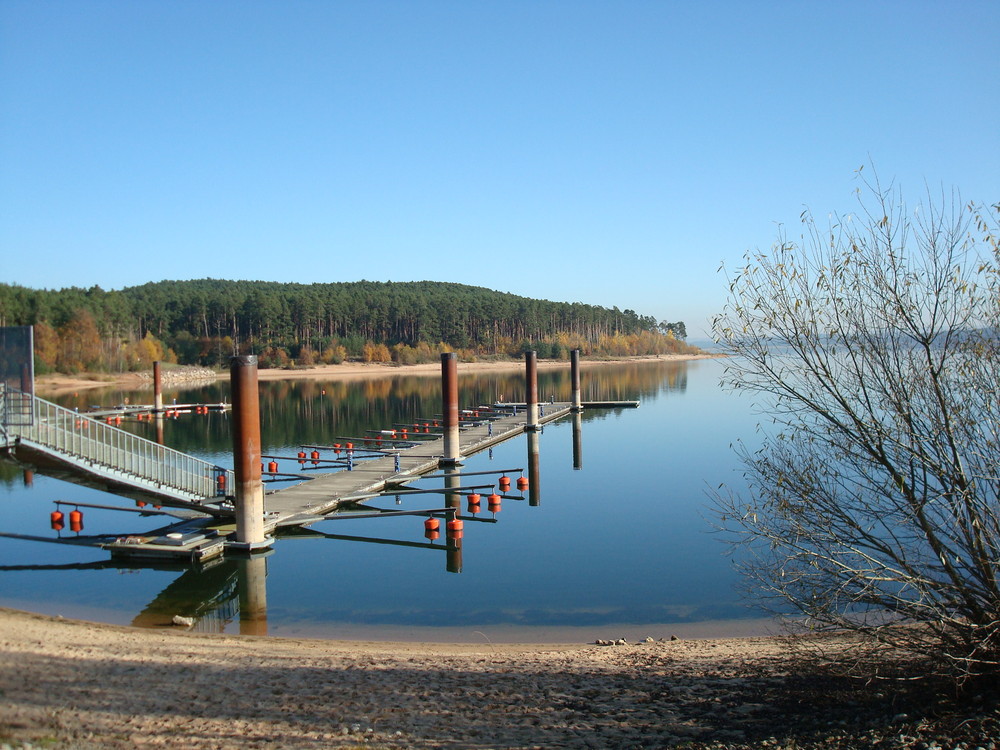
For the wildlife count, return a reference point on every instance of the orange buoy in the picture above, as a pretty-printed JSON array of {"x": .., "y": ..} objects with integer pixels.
[
  {"x": 504, "y": 482},
  {"x": 140, "y": 503},
  {"x": 432, "y": 524},
  {"x": 75, "y": 520},
  {"x": 349, "y": 447},
  {"x": 474, "y": 502},
  {"x": 314, "y": 455},
  {"x": 221, "y": 481},
  {"x": 432, "y": 534},
  {"x": 56, "y": 520},
  {"x": 494, "y": 503},
  {"x": 522, "y": 483},
  {"x": 456, "y": 528},
  {"x": 272, "y": 466}
]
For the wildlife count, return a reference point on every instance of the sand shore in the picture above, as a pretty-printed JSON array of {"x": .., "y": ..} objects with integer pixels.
[
  {"x": 85, "y": 685},
  {"x": 59, "y": 383},
  {"x": 81, "y": 685}
]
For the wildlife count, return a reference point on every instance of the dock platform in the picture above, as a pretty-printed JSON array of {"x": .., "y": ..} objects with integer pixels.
[{"x": 306, "y": 502}]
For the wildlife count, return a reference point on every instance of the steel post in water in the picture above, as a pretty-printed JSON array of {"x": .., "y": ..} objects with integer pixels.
[
  {"x": 531, "y": 376},
  {"x": 157, "y": 388},
  {"x": 246, "y": 454},
  {"x": 449, "y": 407},
  {"x": 574, "y": 366}
]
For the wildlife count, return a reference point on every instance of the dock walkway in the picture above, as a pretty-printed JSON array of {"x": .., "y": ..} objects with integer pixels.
[{"x": 307, "y": 502}]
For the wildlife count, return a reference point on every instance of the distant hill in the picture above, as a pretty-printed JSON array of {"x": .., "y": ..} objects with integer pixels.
[{"x": 205, "y": 321}]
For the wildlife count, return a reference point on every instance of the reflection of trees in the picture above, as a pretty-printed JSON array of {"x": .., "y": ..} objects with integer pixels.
[{"x": 295, "y": 412}]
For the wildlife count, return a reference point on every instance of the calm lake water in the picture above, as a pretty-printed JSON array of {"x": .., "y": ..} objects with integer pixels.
[{"x": 614, "y": 540}]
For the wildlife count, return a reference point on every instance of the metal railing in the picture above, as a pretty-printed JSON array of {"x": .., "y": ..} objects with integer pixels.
[{"x": 90, "y": 443}]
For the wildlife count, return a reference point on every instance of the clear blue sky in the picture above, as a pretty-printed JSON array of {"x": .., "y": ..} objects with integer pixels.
[{"x": 612, "y": 153}]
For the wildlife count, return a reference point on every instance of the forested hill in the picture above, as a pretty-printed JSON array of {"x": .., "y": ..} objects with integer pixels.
[{"x": 206, "y": 321}]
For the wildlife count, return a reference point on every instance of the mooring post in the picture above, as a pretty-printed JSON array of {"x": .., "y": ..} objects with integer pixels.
[
  {"x": 157, "y": 388},
  {"x": 531, "y": 376},
  {"x": 449, "y": 401},
  {"x": 246, "y": 454},
  {"x": 574, "y": 367}
]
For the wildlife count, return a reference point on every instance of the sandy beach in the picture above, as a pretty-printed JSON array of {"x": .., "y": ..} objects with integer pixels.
[{"x": 74, "y": 684}]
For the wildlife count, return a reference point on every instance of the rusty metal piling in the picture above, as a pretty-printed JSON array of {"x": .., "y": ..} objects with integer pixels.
[
  {"x": 531, "y": 376},
  {"x": 247, "y": 455},
  {"x": 449, "y": 401}
]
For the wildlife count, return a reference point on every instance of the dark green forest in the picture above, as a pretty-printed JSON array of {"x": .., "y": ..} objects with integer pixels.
[{"x": 206, "y": 321}]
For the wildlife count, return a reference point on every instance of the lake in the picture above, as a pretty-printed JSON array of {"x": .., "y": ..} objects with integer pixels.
[{"x": 615, "y": 538}]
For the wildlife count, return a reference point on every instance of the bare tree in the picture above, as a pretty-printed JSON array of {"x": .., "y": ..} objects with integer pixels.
[{"x": 874, "y": 501}]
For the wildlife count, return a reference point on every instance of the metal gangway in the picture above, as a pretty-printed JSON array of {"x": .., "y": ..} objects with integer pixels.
[{"x": 48, "y": 436}]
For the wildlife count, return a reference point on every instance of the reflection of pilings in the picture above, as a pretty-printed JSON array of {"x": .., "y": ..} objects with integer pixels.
[
  {"x": 159, "y": 428},
  {"x": 29, "y": 477},
  {"x": 531, "y": 384},
  {"x": 246, "y": 452},
  {"x": 452, "y": 481},
  {"x": 534, "y": 490},
  {"x": 198, "y": 592},
  {"x": 449, "y": 407},
  {"x": 157, "y": 388},
  {"x": 578, "y": 441},
  {"x": 574, "y": 367},
  {"x": 253, "y": 595}
]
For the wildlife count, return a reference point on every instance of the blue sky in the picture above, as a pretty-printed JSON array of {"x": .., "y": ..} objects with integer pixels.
[{"x": 613, "y": 153}]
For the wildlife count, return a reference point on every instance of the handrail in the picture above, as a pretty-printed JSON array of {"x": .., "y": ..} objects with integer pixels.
[{"x": 95, "y": 443}]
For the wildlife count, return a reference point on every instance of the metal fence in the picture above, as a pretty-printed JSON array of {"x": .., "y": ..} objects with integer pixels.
[{"x": 89, "y": 443}]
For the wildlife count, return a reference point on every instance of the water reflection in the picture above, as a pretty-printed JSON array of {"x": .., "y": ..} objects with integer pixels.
[
  {"x": 534, "y": 475},
  {"x": 577, "y": 441}
]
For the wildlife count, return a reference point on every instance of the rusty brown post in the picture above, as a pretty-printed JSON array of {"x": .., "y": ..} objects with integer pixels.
[
  {"x": 157, "y": 388},
  {"x": 249, "y": 489},
  {"x": 531, "y": 376},
  {"x": 449, "y": 401},
  {"x": 574, "y": 366}
]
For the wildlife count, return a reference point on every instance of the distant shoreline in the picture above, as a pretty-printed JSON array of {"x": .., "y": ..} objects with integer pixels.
[{"x": 58, "y": 384}]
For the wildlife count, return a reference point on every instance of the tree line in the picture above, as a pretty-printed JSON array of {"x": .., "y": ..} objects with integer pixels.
[{"x": 206, "y": 321}]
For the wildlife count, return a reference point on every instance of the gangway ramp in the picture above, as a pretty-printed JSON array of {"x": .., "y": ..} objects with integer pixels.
[{"x": 71, "y": 445}]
